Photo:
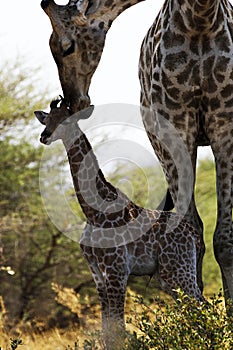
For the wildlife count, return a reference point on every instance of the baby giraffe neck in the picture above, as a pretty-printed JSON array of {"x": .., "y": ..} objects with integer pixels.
[{"x": 93, "y": 192}]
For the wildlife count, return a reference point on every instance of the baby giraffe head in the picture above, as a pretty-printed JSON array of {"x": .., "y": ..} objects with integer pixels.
[{"x": 58, "y": 121}]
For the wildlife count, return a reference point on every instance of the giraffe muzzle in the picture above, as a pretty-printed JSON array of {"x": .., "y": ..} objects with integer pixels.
[
  {"x": 45, "y": 137},
  {"x": 79, "y": 103}
]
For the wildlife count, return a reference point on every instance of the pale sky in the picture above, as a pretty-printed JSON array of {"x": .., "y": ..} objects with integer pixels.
[{"x": 25, "y": 30}]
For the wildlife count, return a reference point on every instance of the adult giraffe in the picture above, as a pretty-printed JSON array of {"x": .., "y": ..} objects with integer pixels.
[{"x": 186, "y": 75}]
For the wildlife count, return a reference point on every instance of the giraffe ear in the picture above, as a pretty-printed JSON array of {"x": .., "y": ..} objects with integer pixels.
[
  {"x": 86, "y": 113},
  {"x": 41, "y": 116},
  {"x": 83, "y": 114},
  {"x": 81, "y": 5},
  {"x": 93, "y": 6}
]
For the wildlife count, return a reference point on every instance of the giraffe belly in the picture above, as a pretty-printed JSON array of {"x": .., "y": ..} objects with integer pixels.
[{"x": 144, "y": 266}]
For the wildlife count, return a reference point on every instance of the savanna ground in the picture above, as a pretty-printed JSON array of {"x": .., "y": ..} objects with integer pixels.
[
  {"x": 161, "y": 325},
  {"x": 153, "y": 320}
]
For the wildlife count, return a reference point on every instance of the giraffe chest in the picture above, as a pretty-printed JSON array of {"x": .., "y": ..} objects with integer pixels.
[
  {"x": 185, "y": 71},
  {"x": 176, "y": 69}
]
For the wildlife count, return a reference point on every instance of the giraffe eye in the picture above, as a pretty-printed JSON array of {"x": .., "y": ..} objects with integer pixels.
[{"x": 69, "y": 50}]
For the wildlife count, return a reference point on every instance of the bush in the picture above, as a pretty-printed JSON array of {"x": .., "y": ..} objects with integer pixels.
[{"x": 182, "y": 325}]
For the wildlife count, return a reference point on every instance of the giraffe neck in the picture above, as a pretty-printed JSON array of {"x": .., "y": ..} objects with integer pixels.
[
  {"x": 106, "y": 11},
  {"x": 96, "y": 196},
  {"x": 195, "y": 17}
]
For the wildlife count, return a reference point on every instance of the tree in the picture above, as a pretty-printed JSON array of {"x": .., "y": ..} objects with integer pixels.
[
  {"x": 34, "y": 251},
  {"x": 18, "y": 98}
]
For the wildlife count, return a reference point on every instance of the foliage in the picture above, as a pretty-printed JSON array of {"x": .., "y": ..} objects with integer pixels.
[
  {"x": 80, "y": 305},
  {"x": 146, "y": 187},
  {"x": 160, "y": 325},
  {"x": 33, "y": 252},
  {"x": 18, "y": 96},
  {"x": 182, "y": 325},
  {"x": 18, "y": 177}
]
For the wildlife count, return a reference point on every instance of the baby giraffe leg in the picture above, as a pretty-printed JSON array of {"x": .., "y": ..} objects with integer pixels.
[
  {"x": 116, "y": 290},
  {"x": 103, "y": 297},
  {"x": 110, "y": 273}
]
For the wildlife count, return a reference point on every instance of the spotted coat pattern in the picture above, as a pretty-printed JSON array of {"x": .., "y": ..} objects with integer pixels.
[
  {"x": 121, "y": 238},
  {"x": 77, "y": 42},
  {"x": 186, "y": 75}
]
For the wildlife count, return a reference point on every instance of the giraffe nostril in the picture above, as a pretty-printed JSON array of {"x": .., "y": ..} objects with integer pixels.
[{"x": 46, "y": 133}]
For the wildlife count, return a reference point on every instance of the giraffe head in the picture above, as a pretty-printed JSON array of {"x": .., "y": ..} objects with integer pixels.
[
  {"x": 77, "y": 42},
  {"x": 58, "y": 121}
]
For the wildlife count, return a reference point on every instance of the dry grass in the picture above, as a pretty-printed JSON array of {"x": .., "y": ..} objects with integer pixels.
[
  {"x": 51, "y": 340},
  {"x": 57, "y": 339},
  {"x": 47, "y": 341}
]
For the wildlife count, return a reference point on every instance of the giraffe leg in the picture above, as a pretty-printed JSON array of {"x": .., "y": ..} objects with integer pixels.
[
  {"x": 104, "y": 306},
  {"x": 180, "y": 270},
  {"x": 223, "y": 235},
  {"x": 173, "y": 138},
  {"x": 167, "y": 203},
  {"x": 110, "y": 273},
  {"x": 174, "y": 141},
  {"x": 89, "y": 254},
  {"x": 222, "y": 146},
  {"x": 116, "y": 290},
  {"x": 112, "y": 309},
  {"x": 102, "y": 292}
]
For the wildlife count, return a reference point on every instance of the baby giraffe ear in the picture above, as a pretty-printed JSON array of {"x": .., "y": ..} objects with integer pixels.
[
  {"x": 41, "y": 116},
  {"x": 83, "y": 114}
]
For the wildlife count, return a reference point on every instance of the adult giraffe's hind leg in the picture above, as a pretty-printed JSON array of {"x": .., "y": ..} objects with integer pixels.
[
  {"x": 222, "y": 146},
  {"x": 174, "y": 141},
  {"x": 166, "y": 203},
  {"x": 180, "y": 271}
]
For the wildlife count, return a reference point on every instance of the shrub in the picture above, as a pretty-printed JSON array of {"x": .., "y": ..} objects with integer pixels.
[{"x": 182, "y": 325}]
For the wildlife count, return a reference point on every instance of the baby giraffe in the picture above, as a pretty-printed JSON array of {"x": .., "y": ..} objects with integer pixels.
[{"x": 120, "y": 238}]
